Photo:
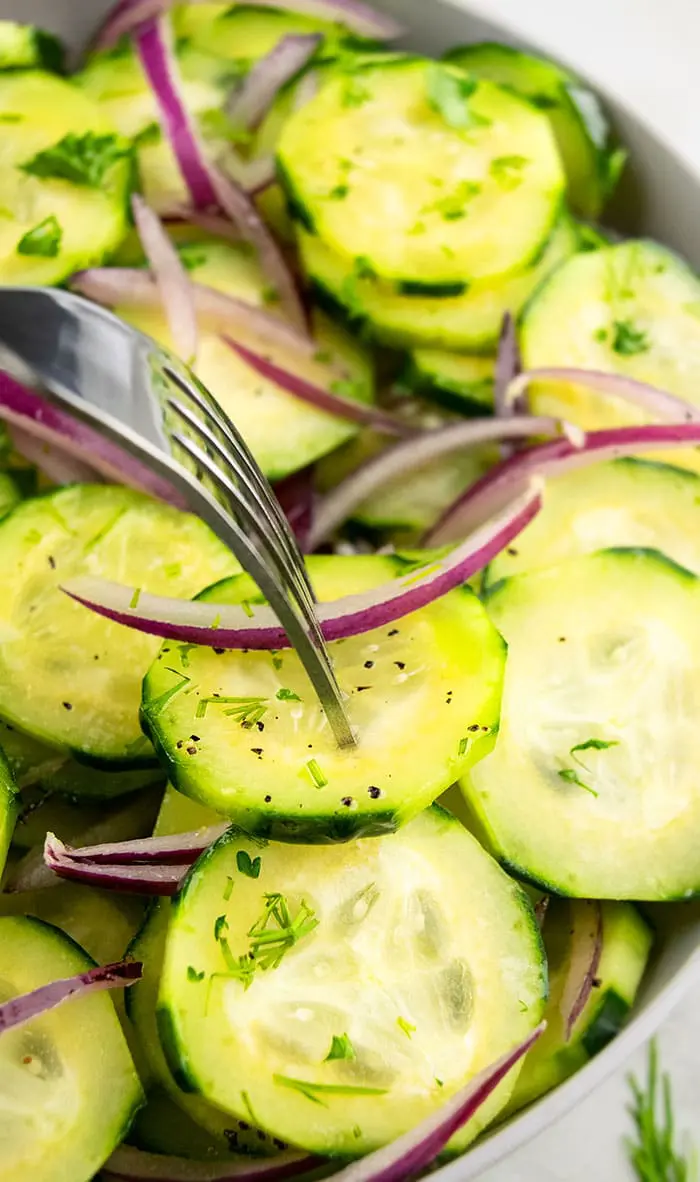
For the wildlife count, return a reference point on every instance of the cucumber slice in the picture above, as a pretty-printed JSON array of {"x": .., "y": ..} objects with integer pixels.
[
  {"x": 68, "y": 1088},
  {"x": 468, "y": 321},
  {"x": 8, "y": 810},
  {"x": 627, "y": 942},
  {"x": 63, "y": 201},
  {"x": 9, "y": 494},
  {"x": 460, "y": 381},
  {"x": 270, "y": 762},
  {"x": 67, "y": 677},
  {"x": 24, "y": 47},
  {"x": 82, "y": 824},
  {"x": 49, "y": 771},
  {"x": 244, "y": 33},
  {"x": 630, "y": 309},
  {"x": 408, "y": 964},
  {"x": 592, "y": 161},
  {"x": 101, "y": 922},
  {"x": 397, "y": 164},
  {"x": 628, "y": 502},
  {"x": 598, "y": 729},
  {"x": 283, "y": 433}
]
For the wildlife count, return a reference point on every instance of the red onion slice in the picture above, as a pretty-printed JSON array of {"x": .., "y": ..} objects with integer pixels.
[
  {"x": 231, "y": 627},
  {"x": 667, "y": 407},
  {"x": 135, "y": 1165},
  {"x": 111, "y": 286},
  {"x": 407, "y": 1156},
  {"x": 401, "y": 459},
  {"x": 171, "y": 279},
  {"x": 553, "y": 459},
  {"x": 508, "y": 366},
  {"x": 320, "y": 398},
  {"x": 237, "y": 204},
  {"x": 178, "y": 849},
  {"x": 20, "y": 1010},
  {"x": 153, "y": 44},
  {"x": 123, "y": 18},
  {"x": 149, "y": 879},
  {"x": 54, "y": 462},
  {"x": 586, "y": 951},
  {"x": 248, "y": 105},
  {"x": 296, "y": 496}
]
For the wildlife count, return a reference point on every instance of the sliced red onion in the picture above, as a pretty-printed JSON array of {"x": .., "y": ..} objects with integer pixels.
[
  {"x": 409, "y": 1155},
  {"x": 320, "y": 398},
  {"x": 232, "y": 627},
  {"x": 403, "y": 458},
  {"x": 123, "y": 18},
  {"x": 586, "y": 951},
  {"x": 20, "y": 1010},
  {"x": 212, "y": 223},
  {"x": 171, "y": 279},
  {"x": 153, "y": 44},
  {"x": 111, "y": 286},
  {"x": 54, "y": 462},
  {"x": 250, "y": 102},
  {"x": 179, "y": 849},
  {"x": 508, "y": 366},
  {"x": 147, "y": 879},
  {"x": 306, "y": 90},
  {"x": 554, "y": 458},
  {"x": 135, "y": 1165},
  {"x": 296, "y": 496},
  {"x": 27, "y": 410},
  {"x": 541, "y": 909},
  {"x": 237, "y": 204},
  {"x": 667, "y": 407}
]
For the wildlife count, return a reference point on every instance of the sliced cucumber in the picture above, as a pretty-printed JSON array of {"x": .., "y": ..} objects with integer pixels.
[
  {"x": 627, "y": 941},
  {"x": 68, "y": 1088},
  {"x": 468, "y": 321},
  {"x": 396, "y": 164},
  {"x": 631, "y": 309},
  {"x": 68, "y": 677},
  {"x": 283, "y": 433},
  {"x": 179, "y": 814},
  {"x": 460, "y": 381},
  {"x": 265, "y": 756},
  {"x": 87, "y": 823},
  {"x": 627, "y": 502},
  {"x": 412, "y": 963},
  {"x": 101, "y": 922},
  {"x": 244, "y": 33},
  {"x": 598, "y": 736},
  {"x": 65, "y": 180},
  {"x": 8, "y": 810},
  {"x": 592, "y": 161},
  {"x": 24, "y": 47},
  {"x": 9, "y": 493}
]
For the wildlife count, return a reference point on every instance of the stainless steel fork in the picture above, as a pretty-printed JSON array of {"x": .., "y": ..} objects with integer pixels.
[{"x": 134, "y": 392}]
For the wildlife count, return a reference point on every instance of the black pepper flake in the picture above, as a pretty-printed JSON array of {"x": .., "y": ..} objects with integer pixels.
[
  {"x": 374, "y": 792},
  {"x": 596, "y": 982},
  {"x": 268, "y": 799},
  {"x": 191, "y": 750},
  {"x": 511, "y": 550},
  {"x": 179, "y": 743},
  {"x": 279, "y": 1144},
  {"x": 394, "y": 632},
  {"x": 473, "y": 727},
  {"x": 400, "y": 664},
  {"x": 243, "y": 1126},
  {"x": 361, "y": 688},
  {"x": 257, "y": 750},
  {"x": 52, "y": 562},
  {"x": 260, "y": 726},
  {"x": 67, "y": 705},
  {"x": 194, "y": 738},
  {"x": 486, "y": 728},
  {"x": 369, "y": 664},
  {"x": 562, "y": 639},
  {"x": 166, "y": 650},
  {"x": 96, "y": 657},
  {"x": 261, "y": 1136},
  {"x": 347, "y": 801},
  {"x": 218, "y": 651}
]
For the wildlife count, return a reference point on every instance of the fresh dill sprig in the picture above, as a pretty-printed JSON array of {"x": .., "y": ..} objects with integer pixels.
[
  {"x": 270, "y": 937},
  {"x": 652, "y": 1151}
]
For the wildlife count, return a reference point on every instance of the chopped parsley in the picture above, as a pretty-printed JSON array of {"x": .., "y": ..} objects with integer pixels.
[
  {"x": 82, "y": 159},
  {"x": 44, "y": 240},
  {"x": 287, "y": 695},
  {"x": 570, "y": 776},
  {"x": 193, "y": 975},
  {"x": 246, "y": 865},
  {"x": 341, "y": 1048},
  {"x": 313, "y": 1091},
  {"x": 407, "y": 1027},
  {"x": 449, "y": 94},
  {"x": 507, "y": 171},
  {"x": 316, "y": 774},
  {"x": 628, "y": 340}
]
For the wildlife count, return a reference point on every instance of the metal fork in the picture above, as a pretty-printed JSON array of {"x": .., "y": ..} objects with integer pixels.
[{"x": 137, "y": 394}]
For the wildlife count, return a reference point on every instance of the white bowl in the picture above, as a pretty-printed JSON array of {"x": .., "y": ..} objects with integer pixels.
[{"x": 659, "y": 197}]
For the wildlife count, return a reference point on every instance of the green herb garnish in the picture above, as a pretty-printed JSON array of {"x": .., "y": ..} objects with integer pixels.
[
  {"x": 652, "y": 1152},
  {"x": 316, "y": 774},
  {"x": 454, "y": 205},
  {"x": 570, "y": 776},
  {"x": 339, "y": 193},
  {"x": 463, "y": 746},
  {"x": 134, "y": 601},
  {"x": 246, "y": 711},
  {"x": 355, "y": 93},
  {"x": 313, "y": 1091},
  {"x": 270, "y": 937},
  {"x": 193, "y": 975},
  {"x": 220, "y": 926},
  {"x": 82, "y": 159},
  {"x": 449, "y": 94},
  {"x": 287, "y": 695},
  {"x": 629, "y": 340},
  {"x": 593, "y": 745},
  {"x": 228, "y": 889},
  {"x": 44, "y": 240},
  {"x": 406, "y": 1026},
  {"x": 507, "y": 171},
  {"x": 246, "y": 865},
  {"x": 341, "y": 1048}
]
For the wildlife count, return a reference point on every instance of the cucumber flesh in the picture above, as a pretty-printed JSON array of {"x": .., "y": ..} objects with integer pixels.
[
  {"x": 393, "y": 995},
  {"x": 68, "y": 677},
  {"x": 271, "y": 763},
  {"x": 598, "y": 729},
  {"x": 68, "y": 1088},
  {"x": 24, "y": 47},
  {"x": 383, "y": 175},
  {"x": 243, "y": 33},
  {"x": 101, "y": 922},
  {"x": 462, "y": 382}
]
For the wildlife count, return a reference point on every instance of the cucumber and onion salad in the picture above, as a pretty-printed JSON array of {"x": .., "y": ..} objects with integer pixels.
[{"x": 480, "y": 413}]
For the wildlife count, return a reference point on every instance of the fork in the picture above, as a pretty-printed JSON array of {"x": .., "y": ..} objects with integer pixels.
[{"x": 140, "y": 396}]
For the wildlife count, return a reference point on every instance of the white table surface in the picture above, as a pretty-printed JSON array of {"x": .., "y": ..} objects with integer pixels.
[{"x": 646, "y": 53}]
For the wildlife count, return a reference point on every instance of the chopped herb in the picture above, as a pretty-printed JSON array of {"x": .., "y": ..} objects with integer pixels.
[
  {"x": 522, "y": 1006},
  {"x": 220, "y": 926},
  {"x": 355, "y": 93},
  {"x": 151, "y": 134},
  {"x": 407, "y": 1027},
  {"x": 449, "y": 94},
  {"x": 247, "y": 865},
  {"x": 356, "y": 1132},
  {"x": 316, "y": 774},
  {"x": 339, "y": 193},
  {"x": 341, "y": 1048},
  {"x": 11, "y": 117},
  {"x": 463, "y": 746},
  {"x": 193, "y": 975},
  {"x": 507, "y": 171},
  {"x": 345, "y": 388},
  {"x": 184, "y": 651},
  {"x": 246, "y": 711},
  {"x": 191, "y": 256},
  {"x": 439, "y": 1082},
  {"x": 629, "y": 340},
  {"x": 277, "y": 662},
  {"x": 81, "y": 159},
  {"x": 228, "y": 888},
  {"x": 172, "y": 569},
  {"x": 454, "y": 205},
  {"x": 594, "y": 745},
  {"x": 287, "y": 695},
  {"x": 162, "y": 700},
  {"x": 270, "y": 937},
  {"x": 313, "y": 1091},
  {"x": 652, "y": 1151},
  {"x": 44, "y": 240},
  {"x": 216, "y": 622},
  {"x": 134, "y": 601},
  {"x": 570, "y": 776},
  {"x": 600, "y": 334}
]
